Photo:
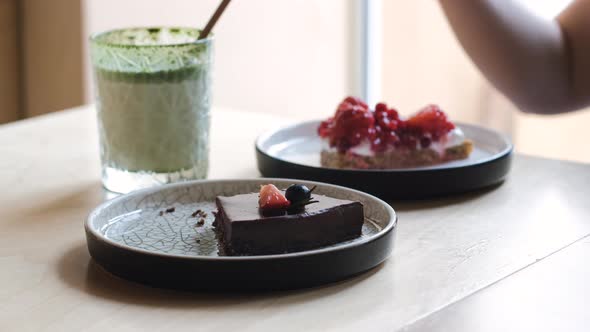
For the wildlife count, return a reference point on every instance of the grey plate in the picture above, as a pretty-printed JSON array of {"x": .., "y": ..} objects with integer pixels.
[
  {"x": 294, "y": 152},
  {"x": 132, "y": 236}
]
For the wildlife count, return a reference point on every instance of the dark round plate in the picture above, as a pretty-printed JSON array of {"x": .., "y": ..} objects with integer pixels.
[
  {"x": 294, "y": 152},
  {"x": 133, "y": 237}
]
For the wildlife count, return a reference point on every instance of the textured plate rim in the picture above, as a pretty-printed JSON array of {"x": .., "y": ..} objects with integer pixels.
[
  {"x": 506, "y": 151},
  {"x": 105, "y": 205}
]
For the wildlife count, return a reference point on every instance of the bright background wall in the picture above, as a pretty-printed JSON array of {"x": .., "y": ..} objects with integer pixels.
[{"x": 294, "y": 57}]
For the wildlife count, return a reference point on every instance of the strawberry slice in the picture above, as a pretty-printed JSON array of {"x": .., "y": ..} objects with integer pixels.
[{"x": 271, "y": 198}]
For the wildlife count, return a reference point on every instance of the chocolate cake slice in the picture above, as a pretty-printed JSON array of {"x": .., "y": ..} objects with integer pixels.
[{"x": 244, "y": 230}]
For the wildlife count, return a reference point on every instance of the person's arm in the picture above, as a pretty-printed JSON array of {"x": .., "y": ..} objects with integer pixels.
[
  {"x": 575, "y": 23},
  {"x": 541, "y": 65}
]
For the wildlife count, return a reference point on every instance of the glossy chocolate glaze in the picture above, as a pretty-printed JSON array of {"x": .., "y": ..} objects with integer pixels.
[{"x": 244, "y": 230}]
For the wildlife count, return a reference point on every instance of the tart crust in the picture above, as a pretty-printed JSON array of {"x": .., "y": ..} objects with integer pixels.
[{"x": 398, "y": 158}]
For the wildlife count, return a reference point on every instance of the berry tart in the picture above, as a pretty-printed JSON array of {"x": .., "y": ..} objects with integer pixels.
[
  {"x": 275, "y": 221},
  {"x": 360, "y": 138}
]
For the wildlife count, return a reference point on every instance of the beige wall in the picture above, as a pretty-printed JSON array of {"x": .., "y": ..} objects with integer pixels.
[
  {"x": 281, "y": 56},
  {"x": 422, "y": 63},
  {"x": 9, "y": 74},
  {"x": 563, "y": 136}
]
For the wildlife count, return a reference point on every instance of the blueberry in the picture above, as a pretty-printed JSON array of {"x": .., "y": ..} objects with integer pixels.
[{"x": 297, "y": 193}]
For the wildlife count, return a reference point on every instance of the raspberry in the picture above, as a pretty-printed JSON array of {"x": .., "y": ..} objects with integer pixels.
[
  {"x": 430, "y": 120},
  {"x": 352, "y": 123},
  {"x": 327, "y": 127}
]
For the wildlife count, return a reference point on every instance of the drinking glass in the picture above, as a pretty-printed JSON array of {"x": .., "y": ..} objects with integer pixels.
[{"x": 153, "y": 88}]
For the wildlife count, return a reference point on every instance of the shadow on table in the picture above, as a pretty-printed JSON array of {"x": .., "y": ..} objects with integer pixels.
[
  {"x": 79, "y": 271},
  {"x": 423, "y": 204}
]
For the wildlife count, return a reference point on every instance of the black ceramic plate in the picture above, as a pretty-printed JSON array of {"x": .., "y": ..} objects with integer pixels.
[
  {"x": 133, "y": 237},
  {"x": 294, "y": 152}
]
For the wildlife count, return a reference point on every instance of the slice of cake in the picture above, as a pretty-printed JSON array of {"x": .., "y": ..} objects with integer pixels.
[
  {"x": 269, "y": 223},
  {"x": 357, "y": 137}
]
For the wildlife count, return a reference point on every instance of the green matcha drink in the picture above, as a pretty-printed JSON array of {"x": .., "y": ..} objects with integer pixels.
[{"x": 153, "y": 91}]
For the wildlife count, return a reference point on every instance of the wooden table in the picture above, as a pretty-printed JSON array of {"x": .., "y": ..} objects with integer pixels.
[{"x": 514, "y": 257}]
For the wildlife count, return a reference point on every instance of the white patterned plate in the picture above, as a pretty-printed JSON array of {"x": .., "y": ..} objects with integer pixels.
[
  {"x": 294, "y": 152},
  {"x": 151, "y": 236}
]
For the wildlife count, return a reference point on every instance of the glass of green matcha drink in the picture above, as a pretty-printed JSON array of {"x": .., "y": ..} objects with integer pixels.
[{"x": 153, "y": 98}]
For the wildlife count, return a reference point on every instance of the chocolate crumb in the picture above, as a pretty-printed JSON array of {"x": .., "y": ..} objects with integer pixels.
[
  {"x": 161, "y": 213},
  {"x": 199, "y": 212},
  {"x": 204, "y": 215},
  {"x": 170, "y": 210},
  {"x": 198, "y": 241},
  {"x": 201, "y": 222}
]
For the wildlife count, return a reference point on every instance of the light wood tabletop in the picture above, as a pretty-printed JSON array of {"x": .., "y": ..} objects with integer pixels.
[{"x": 453, "y": 258}]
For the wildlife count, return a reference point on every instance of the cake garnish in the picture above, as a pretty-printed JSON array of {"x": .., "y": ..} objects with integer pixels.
[
  {"x": 299, "y": 196},
  {"x": 360, "y": 137},
  {"x": 271, "y": 198},
  {"x": 354, "y": 123},
  {"x": 296, "y": 197},
  {"x": 428, "y": 125}
]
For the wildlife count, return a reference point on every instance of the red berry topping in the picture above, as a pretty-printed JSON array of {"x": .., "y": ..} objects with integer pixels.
[
  {"x": 352, "y": 124},
  {"x": 425, "y": 142},
  {"x": 386, "y": 122},
  {"x": 325, "y": 128},
  {"x": 349, "y": 102},
  {"x": 430, "y": 120},
  {"x": 349, "y": 109},
  {"x": 271, "y": 198},
  {"x": 386, "y": 118}
]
